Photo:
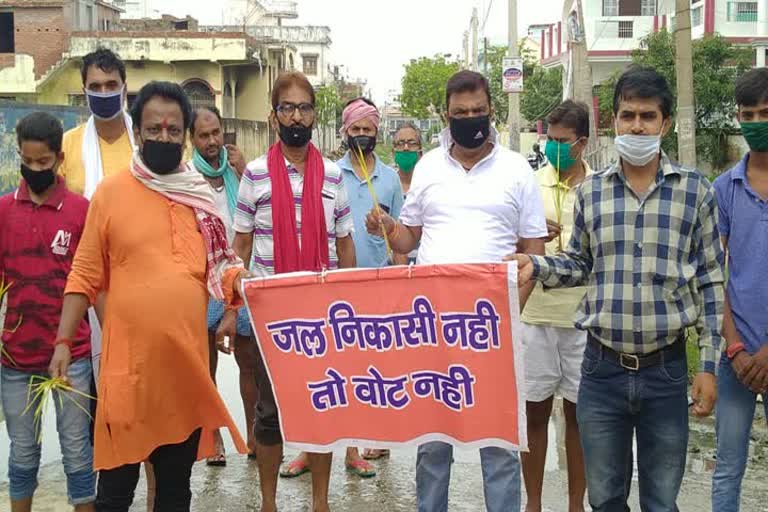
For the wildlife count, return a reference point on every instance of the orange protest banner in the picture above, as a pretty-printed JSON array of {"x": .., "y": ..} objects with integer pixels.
[{"x": 394, "y": 356}]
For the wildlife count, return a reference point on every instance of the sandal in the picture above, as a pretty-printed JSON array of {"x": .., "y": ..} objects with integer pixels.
[
  {"x": 294, "y": 469},
  {"x": 361, "y": 468},
  {"x": 219, "y": 461},
  {"x": 374, "y": 454}
]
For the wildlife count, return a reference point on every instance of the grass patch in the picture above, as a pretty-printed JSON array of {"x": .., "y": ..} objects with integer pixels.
[{"x": 692, "y": 353}]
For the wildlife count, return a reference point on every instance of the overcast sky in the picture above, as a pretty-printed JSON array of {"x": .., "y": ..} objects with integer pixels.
[{"x": 375, "y": 38}]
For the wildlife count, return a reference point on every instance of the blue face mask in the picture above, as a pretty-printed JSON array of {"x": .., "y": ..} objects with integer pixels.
[{"x": 105, "y": 105}]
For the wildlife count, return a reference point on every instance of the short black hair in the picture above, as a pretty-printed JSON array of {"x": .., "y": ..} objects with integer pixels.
[
  {"x": 210, "y": 108},
  {"x": 168, "y": 90},
  {"x": 752, "y": 87},
  {"x": 645, "y": 83},
  {"x": 573, "y": 115},
  {"x": 466, "y": 81},
  {"x": 104, "y": 59},
  {"x": 40, "y": 127}
]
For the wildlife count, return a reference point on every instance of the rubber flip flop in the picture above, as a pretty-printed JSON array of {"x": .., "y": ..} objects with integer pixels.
[
  {"x": 294, "y": 469},
  {"x": 217, "y": 461},
  {"x": 361, "y": 468}
]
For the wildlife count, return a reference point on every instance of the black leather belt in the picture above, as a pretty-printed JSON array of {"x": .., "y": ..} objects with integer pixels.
[{"x": 635, "y": 362}]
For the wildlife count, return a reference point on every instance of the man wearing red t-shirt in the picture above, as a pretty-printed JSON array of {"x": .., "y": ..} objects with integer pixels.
[{"x": 40, "y": 227}]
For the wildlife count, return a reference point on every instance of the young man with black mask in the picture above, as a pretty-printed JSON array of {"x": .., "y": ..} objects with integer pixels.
[
  {"x": 292, "y": 173},
  {"x": 42, "y": 224},
  {"x": 473, "y": 201}
]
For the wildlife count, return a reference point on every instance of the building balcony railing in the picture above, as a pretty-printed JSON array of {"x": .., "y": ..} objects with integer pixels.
[{"x": 280, "y": 8}]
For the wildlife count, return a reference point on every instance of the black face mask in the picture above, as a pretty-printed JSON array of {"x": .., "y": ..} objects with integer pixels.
[
  {"x": 365, "y": 143},
  {"x": 161, "y": 157},
  {"x": 38, "y": 181},
  {"x": 470, "y": 132},
  {"x": 295, "y": 136}
]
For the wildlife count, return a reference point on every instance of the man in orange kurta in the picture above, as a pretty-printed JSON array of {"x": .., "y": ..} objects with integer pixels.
[{"x": 154, "y": 242}]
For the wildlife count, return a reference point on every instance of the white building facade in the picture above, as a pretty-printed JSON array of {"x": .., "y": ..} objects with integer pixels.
[
  {"x": 613, "y": 29},
  {"x": 134, "y": 9},
  {"x": 312, "y": 43}
]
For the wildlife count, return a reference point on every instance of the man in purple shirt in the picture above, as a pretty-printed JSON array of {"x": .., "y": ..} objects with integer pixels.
[{"x": 742, "y": 197}]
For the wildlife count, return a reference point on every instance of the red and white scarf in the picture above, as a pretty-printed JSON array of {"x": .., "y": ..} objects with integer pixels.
[
  {"x": 312, "y": 253},
  {"x": 190, "y": 189}
]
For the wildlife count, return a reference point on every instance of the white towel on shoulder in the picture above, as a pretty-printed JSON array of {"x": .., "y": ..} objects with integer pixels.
[{"x": 94, "y": 171}]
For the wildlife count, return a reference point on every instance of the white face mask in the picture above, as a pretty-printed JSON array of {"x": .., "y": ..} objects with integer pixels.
[{"x": 638, "y": 150}]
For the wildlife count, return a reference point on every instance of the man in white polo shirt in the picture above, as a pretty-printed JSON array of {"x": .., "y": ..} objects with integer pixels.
[{"x": 471, "y": 201}]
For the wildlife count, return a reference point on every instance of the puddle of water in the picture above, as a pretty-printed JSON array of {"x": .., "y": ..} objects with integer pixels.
[{"x": 235, "y": 488}]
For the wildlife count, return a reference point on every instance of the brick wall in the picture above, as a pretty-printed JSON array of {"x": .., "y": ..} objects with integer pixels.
[
  {"x": 41, "y": 32},
  {"x": 7, "y": 60}
]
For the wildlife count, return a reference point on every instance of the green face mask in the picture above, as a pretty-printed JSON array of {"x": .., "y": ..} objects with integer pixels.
[
  {"x": 756, "y": 135},
  {"x": 559, "y": 154},
  {"x": 406, "y": 160}
]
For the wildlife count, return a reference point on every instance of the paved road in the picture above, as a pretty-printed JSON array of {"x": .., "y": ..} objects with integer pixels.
[{"x": 235, "y": 488}]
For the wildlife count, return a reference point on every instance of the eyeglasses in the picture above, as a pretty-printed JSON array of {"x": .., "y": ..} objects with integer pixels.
[
  {"x": 407, "y": 144},
  {"x": 288, "y": 109}
]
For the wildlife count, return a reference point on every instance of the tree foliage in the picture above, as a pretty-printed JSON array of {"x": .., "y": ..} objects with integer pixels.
[
  {"x": 716, "y": 65},
  {"x": 327, "y": 105},
  {"x": 543, "y": 92},
  {"x": 423, "y": 85},
  {"x": 543, "y": 88}
]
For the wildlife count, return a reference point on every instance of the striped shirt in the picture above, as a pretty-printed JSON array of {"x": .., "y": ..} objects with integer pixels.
[
  {"x": 653, "y": 266},
  {"x": 254, "y": 211}
]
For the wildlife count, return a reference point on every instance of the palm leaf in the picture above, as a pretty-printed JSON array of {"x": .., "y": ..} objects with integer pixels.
[{"x": 40, "y": 392}]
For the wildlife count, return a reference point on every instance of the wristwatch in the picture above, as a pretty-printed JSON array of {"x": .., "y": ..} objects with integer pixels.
[{"x": 733, "y": 349}]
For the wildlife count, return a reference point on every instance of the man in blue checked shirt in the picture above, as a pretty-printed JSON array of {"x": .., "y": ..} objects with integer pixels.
[
  {"x": 742, "y": 198},
  {"x": 646, "y": 243}
]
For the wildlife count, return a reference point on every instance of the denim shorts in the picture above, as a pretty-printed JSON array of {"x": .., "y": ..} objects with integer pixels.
[
  {"x": 73, "y": 426},
  {"x": 216, "y": 312}
]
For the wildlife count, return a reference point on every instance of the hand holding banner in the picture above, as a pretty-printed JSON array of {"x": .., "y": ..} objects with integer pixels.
[{"x": 393, "y": 356}]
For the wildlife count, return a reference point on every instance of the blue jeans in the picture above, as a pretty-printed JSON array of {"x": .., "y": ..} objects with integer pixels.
[
  {"x": 501, "y": 478},
  {"x": 615, "y": 403},
  {"x": 72, "y": 423},
  {"x": 735, "y": 413}
]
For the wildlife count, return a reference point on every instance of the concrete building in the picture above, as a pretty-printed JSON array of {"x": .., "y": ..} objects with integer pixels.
[
  {"x": 34, "y": 34},
  {"x": 312, "y": 45},
  {"x": 393, "y": 118},
  {"x": 614, "y": 28},
  {"x": 228, "y": 70},
  {"x": 741, "y": 22},
  {"x": 246, "y": 13},
  {"x": 165, "y": 23},
  {"x": 134, "y": 9}
]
